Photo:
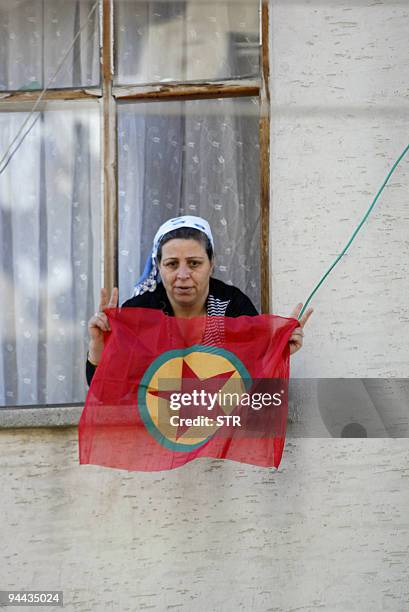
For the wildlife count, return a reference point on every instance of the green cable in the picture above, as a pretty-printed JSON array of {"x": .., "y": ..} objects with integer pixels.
[{"x": 344, "y": 250}]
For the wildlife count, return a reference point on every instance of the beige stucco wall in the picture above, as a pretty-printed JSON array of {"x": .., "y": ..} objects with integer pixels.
[
  {"x": 340, "y": 111},
  {"x": 328, "y": 531}
]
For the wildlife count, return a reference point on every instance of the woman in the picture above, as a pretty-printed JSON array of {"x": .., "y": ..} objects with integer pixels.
[{"x": 183, "y": 256}]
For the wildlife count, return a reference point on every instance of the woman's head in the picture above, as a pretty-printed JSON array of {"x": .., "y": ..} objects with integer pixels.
[
  {"x": 187, "y": 240},
  {"x": 185, "y": 260}
]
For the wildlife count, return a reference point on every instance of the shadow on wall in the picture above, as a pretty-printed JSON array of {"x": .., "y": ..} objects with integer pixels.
[{"x": 349, "y": 408}]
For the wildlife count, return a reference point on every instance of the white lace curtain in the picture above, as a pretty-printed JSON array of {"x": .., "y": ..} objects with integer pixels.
[
  {"x": 50, "y": 254},
  {"x": 49, "y": 206},
  {"x": 199, "y": 158},
  {"x": 187, "y": 40},
  {"x": 36, "y": 34}
]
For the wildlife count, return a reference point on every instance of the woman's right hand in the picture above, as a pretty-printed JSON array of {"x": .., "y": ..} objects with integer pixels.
[{"x": 98, "y": 324}]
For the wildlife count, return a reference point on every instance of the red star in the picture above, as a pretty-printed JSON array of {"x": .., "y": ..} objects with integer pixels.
[{"x": 191, "y": 382}]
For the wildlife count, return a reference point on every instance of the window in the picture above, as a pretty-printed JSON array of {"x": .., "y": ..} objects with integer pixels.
[{"x": 151, "y": 110}]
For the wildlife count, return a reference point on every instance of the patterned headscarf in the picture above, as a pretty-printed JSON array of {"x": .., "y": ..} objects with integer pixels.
[{"x": 149, "y": 279}]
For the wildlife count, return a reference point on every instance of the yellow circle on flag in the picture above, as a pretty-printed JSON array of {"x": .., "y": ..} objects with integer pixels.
[{"x": 184, "y": 391}]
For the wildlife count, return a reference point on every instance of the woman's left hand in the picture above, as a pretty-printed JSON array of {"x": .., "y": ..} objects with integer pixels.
[{"x": 296, "y": 338}]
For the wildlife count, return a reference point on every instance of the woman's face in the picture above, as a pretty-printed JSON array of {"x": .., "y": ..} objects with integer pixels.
[{"x": 185, "y": 270}]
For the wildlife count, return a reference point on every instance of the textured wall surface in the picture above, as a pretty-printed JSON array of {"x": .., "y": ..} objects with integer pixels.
[
  {"x": 340, "y": 111},
  {"x": 328, "y": 531}
]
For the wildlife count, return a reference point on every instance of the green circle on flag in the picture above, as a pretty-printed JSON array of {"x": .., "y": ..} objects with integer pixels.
[{"x": 204, "y": 361}]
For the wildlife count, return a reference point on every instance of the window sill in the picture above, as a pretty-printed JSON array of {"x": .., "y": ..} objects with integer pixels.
[{"x": 46, "y": 416}]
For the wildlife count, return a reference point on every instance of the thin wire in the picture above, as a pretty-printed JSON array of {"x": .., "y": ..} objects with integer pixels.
[
  {"x": 4, "y": 159},
  {"x": 364, "y": 218},
  {"x": 26, "y": 133}
]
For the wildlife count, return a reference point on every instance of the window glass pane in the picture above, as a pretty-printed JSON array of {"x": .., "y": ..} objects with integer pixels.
[
  {"x": 186, "y": 41},
  {"x": 197, "y": 157},
  {"x": 50, "y": 254},
  {"x": 35, "y": 35}
]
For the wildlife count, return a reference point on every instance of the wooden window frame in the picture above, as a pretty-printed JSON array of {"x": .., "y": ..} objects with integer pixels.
[{"x": 109, "y": 94}]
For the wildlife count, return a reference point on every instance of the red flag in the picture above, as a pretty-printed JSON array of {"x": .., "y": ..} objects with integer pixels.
[{"x": 168, "y": 390}]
